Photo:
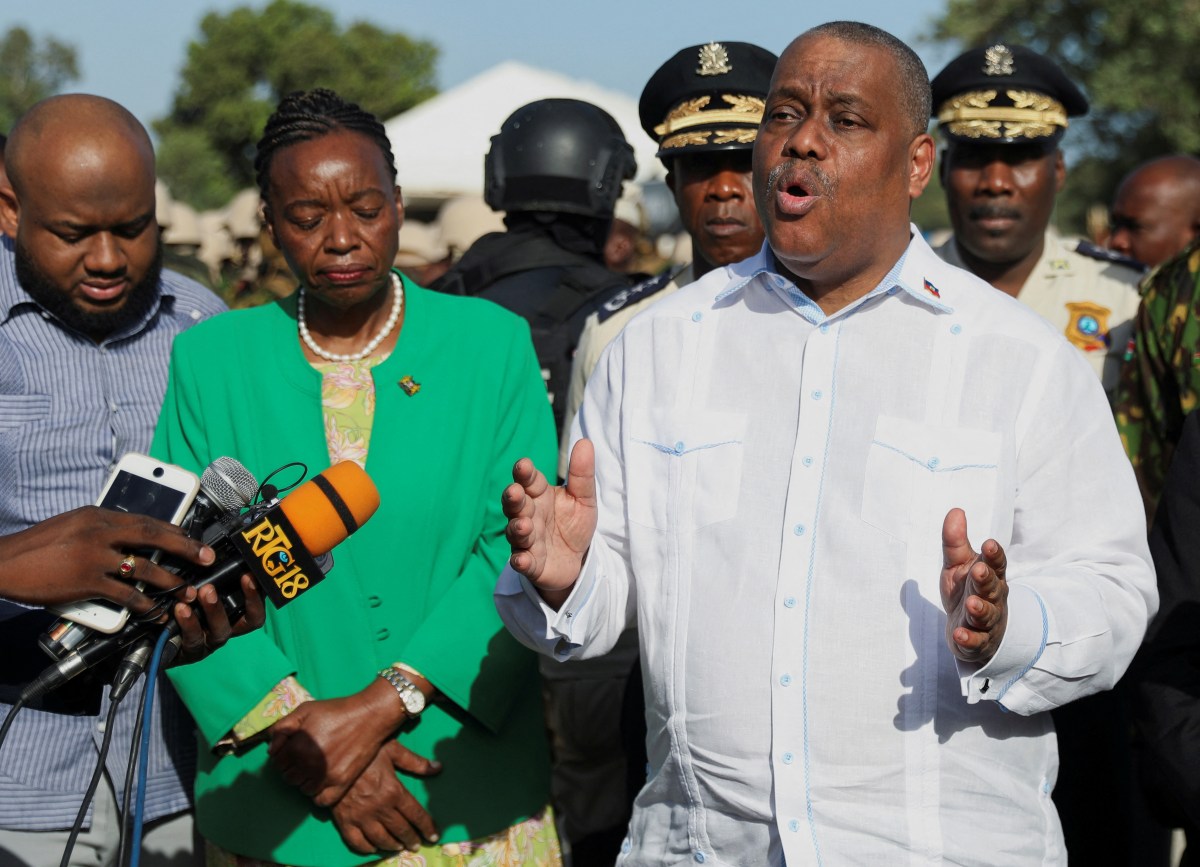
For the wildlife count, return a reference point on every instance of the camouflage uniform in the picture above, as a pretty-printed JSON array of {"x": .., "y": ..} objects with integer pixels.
[{"x": 1160, "y": 380}]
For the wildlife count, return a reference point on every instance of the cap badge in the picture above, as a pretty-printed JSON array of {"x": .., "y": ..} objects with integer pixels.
[
  {"x": 714, "y": 60},
  {"x": 998, "y": 60}
]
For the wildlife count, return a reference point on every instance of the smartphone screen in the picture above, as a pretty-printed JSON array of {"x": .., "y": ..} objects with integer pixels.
[
  {"x": 141, "y": 496},
  {"x": 143, "y": 486}
]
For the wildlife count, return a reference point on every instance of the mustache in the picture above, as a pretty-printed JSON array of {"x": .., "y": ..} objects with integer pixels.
[
  {"x": 992, "y": 212},
  {"x": 813, "y": 174}
]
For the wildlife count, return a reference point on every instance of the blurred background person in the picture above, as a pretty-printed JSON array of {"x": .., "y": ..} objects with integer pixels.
[
  {"x": 422, "y": 256},
  {"x": 399, "y": 660},
  {"x": 1160, "y": 382},
  {"x": 1156, "y": 211},
  {"x": 463, "y": 220},
  {"x": 556, "y": 170},
  {"x": 626, "y": 247}
]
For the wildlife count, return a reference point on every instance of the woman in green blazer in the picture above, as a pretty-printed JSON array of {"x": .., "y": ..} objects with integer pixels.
[{"x": 400, "y": 648}]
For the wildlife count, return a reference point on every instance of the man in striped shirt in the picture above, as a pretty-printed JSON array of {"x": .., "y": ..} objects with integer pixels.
[{"x": 87, "y": 317}]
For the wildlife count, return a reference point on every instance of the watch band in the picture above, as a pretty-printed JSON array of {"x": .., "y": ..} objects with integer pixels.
[{"x": 410, "y": 695}]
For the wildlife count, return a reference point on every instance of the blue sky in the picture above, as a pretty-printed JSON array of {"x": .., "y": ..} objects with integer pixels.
[{"x": 132, "y": 51}]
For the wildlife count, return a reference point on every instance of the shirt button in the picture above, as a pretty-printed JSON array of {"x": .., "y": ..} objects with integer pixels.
[
  {"x": 382, "y": 635},
  {"x": 625, "y": 847},
  {"x": 798, "y": 529},
  {"x": 697, "y": 316},
  {"x": 789, "y": 602},
  {"x": 195, "y": 314},
  {"x": 101, "y": 726},
  {"x": 807, "y": 461},
  {"x": 793, "y": 825},
  {"x": 679, "y": 447},
  {"x": 787, "y": 758},
  {"x": 816, "y": 395},
  {"x": 699, "y": 857},
  {"x": 956, "y": 329},
  {"x": 825, "y": 328},
  {"x": 786, "y": 680},
  {"x": 932, "y": 463},
  {"x": 374, "y": 601}
]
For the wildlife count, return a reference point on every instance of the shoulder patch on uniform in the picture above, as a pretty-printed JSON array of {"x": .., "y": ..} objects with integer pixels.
[
  {"x": 1087, "y": 248},
  {"x": 632, "y": 294}
]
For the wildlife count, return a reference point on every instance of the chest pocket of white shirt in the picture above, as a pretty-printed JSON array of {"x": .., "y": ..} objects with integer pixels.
[
  {"x": 918, "y": 473},
  {"x": 684, "y": 469}
]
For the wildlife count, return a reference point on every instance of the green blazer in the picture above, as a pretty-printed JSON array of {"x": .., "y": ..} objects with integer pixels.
[{"x": 413, "y": 585}]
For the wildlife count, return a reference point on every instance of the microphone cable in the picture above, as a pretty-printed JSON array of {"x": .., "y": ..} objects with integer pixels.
[
  {"x": 135, "y": 848},
  {"x": 8, "y": 720},
  {"x": 110, "y": 723},
  {"x": 130, "y": 771}
]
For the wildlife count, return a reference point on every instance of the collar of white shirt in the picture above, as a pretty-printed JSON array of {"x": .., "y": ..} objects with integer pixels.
[{"x": 908, "y": 274}]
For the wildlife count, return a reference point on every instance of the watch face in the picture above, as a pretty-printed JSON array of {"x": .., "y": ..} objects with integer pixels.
[{"x": 414, "y": 701}]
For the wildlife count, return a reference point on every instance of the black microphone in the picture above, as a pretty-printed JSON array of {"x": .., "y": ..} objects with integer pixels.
[
  {"x": 276, "y": 542},
  {"x": 226, "y": 487}
]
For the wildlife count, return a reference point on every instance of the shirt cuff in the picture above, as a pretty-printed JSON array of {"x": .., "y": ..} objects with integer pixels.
[
  {"x": 556, "y": 632},
  {"x": 284, "y": 697},
  {"x": 1024, "y": 640}
]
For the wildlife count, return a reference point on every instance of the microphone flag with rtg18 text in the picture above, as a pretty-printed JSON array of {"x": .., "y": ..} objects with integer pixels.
[
  {"x": 278, "y": 548},
  {"x": 275, "y": 542}
]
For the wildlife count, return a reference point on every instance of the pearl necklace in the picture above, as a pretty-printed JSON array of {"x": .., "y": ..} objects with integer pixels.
[{"x": 393, "y": 318}]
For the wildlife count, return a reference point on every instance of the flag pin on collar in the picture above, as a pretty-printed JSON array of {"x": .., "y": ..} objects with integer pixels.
[
  {"x": 410, "y": 385},
  {"x": 932, "y": 290}
]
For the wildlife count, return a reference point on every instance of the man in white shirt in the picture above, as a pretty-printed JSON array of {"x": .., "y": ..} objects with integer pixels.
[{"x": 781, "y": 464}]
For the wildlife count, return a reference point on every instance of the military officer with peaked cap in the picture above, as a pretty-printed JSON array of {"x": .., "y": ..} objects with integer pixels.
[
  {"x": 703, "y": 107},
  {"x": 1002, "y": 111}
]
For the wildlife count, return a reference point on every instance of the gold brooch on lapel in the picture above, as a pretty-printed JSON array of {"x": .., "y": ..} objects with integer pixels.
[{"x": 410, "y": 385}]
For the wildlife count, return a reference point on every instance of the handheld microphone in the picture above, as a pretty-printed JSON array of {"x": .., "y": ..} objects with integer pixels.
[
  {"x": 226, "y": 487},
  {"x": 276, "y": 542}
]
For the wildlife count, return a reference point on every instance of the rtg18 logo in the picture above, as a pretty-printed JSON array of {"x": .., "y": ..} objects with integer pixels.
[{"x": 283, "y": 568}]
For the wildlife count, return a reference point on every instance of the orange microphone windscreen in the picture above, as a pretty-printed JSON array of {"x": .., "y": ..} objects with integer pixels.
[{"x": 330, "y": 506}]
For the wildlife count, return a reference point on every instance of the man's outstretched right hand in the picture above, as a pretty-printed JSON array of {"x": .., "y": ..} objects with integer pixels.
[{"x": 549, "y": 527}]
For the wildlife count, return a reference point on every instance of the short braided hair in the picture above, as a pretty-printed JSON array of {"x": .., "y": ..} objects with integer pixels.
[{"x": 305, "y": 115}]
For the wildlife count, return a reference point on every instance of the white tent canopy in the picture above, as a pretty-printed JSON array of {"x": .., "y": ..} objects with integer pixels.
[{"x": 440, "y": 144}]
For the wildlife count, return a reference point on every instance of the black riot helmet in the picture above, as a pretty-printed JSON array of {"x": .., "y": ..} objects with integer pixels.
[{"x": 560, "y": 155}]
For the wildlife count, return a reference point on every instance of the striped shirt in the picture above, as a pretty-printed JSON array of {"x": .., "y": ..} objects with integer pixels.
[{"x": 69, "y": 409}]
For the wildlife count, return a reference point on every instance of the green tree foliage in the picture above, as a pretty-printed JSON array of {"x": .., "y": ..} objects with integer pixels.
[
  {"x": 30, "y": 72},
  {"x": 244, "y": 61},
  {"x": 1137, "y": 62}
]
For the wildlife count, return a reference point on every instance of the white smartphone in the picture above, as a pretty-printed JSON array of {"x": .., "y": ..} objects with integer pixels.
[{"x": 143, "y": 486}]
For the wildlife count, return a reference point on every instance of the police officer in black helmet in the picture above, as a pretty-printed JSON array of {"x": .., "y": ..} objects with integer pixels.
[{"x": 556, "y": 169}]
